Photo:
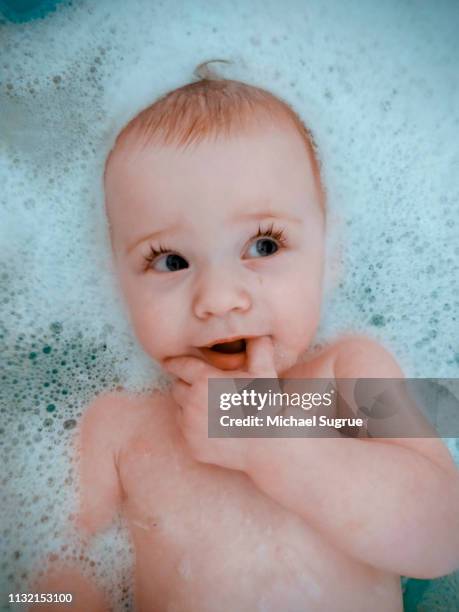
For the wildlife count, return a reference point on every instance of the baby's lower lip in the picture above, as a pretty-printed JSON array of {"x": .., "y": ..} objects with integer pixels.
[{"x": 224, "y": 361}]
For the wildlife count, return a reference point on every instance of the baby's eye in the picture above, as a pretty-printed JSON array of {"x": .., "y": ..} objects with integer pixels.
[
  {"x": 263, "y": 247},
  {"x": 171, "y": 263},
  {"x": 164, "y": 261},
  {"x": 267, "y": 242}
]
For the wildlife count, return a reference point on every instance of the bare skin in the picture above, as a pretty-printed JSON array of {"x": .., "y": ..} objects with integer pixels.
[{"x": 248, "y": 524}]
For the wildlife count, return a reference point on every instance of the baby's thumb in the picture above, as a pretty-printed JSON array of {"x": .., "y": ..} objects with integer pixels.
[{"x": 260, "y": 357}]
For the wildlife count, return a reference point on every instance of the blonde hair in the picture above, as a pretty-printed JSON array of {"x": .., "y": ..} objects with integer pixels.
[{"x": 212, "y": 106}]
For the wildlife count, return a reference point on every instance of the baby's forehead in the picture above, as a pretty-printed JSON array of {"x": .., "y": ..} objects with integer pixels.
[
  {"x": 132, "y": 143},
  {"x": 137, "y": 159}
]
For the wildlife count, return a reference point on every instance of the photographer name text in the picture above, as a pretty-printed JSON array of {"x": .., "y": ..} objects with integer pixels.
[{"x": 290, "y": 421}]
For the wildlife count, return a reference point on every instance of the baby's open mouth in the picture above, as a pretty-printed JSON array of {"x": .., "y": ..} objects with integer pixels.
[
  {"x": 235, "y": 346},
  {"x": 229, "y": 355}
]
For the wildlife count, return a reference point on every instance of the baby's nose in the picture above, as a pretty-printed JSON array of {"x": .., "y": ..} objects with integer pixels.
[{"x": 219, "y": 292}]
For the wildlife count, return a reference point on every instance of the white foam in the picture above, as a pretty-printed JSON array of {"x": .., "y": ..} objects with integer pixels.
[{"x": 378, "y": 85}]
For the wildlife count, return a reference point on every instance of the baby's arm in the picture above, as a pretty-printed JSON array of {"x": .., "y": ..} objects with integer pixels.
[
  {"x": 102, "y": 437},
  {"x": 96, "y": 447},
  {"x": 391, "y": 503}
]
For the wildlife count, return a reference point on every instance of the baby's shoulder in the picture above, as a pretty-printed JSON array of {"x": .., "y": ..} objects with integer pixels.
[
  {"x": 359, "y": 356},
  {"x": 349, "y": 355}
]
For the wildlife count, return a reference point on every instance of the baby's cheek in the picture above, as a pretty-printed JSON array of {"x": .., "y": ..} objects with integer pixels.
[
  {"x": 284, "y": 357},
  {"x": 306, "y": 300},
  {"x": 147, "y": 326},
  {"x": 161, "y": 329},
  {"x": 297, "y": 320}
]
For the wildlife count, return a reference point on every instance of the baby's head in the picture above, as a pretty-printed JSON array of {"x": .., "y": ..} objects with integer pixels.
[{"x": 217, "y": 223}]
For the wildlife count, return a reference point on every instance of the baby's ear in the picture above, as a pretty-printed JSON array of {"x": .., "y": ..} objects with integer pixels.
[{"x": 333, "y": 252}]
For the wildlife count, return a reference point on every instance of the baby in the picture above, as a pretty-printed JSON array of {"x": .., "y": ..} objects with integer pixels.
[{"x": 217, "y": 219}]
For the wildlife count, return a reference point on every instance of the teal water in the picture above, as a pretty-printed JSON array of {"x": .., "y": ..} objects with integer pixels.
[
  {"x": 24, "y": 10},
  {"x": 440, "y": 595},
  {"x": 413, "y": 591}
]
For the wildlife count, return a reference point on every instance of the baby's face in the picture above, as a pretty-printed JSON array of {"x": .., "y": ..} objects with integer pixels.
[{"x": 241, "y": 232}]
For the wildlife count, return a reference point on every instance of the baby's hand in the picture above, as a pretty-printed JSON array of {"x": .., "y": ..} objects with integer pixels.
[{"x": 190, "y": 392}]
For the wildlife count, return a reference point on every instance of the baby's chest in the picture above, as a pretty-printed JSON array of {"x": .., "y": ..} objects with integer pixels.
[{"x": 182, "y": 504}]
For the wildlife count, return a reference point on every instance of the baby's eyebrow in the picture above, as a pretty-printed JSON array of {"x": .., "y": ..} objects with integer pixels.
[
  {"x": 272, "y": 214},
  {"x": 151, "y": 235}
]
